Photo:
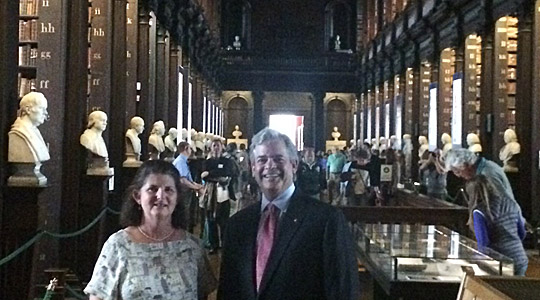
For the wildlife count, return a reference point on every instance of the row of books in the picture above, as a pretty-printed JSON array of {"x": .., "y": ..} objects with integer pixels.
[
  {"x": 26, "y": 85},
  {"x": 28, "y": 7},
  {"x": 27, "y": 55},
  {"x": 28, "y": 30}
]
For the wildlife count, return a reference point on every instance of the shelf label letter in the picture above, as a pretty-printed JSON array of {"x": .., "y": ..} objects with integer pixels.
[
  {"x": 44, "y": 84},
  {"x": 99, "y": 32},
  {"x": 47, "y": 28},
  {"x": 45, "y": 55}
]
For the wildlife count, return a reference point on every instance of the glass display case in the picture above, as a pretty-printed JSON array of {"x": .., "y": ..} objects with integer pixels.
[{"x": 407, "y": 259}]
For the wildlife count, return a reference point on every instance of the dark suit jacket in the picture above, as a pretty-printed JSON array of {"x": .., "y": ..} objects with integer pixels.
[{"x": 312, "y": 258}]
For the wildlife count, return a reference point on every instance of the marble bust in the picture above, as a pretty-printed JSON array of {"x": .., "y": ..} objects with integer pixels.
[
  {"x": 26, "y": 147},
  {"x": 92, "y": 140},
  {"x": 184, "y": 134},
  {"x": 446, "y": 141},
  {"x": 133, "y": 142},
  {"x": 337, "y": 43},
  {"x": 473, "y": 143},
  {"x": 237, "y": 133},
  {"x": 237, "y": 44},
  {"x": 156, "y": 146},
  {"x": 170, "y": 145},
  {"x": 423, "y": 146},
  {"x": 509, "y": 152},
  {"x": 336, "y": 134}
]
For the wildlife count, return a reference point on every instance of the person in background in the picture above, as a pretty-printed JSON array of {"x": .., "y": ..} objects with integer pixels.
[
  {"x": 496, "y": 222},
  {"x": 467, "y": 165},
  {"x": 154, "y": 240},
  {"x": 335, "y": 164},
  {"x": 310, "y": 177},
  {"x": 187, "y": 185},
  {"x": 434, "y": 174},
  {"x": 362, "y": 179},
  {"x": 217, "y": 173},
  {"x": 289, "y": 246}
]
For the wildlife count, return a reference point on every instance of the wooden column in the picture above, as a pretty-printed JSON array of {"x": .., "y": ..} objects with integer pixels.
[
  {"x": 9, "y": 22},
  {"x": 535, "y": 118},
  {"x": 318, "y": 120},
  {"x": 524, "y": 109},
  {"x": 145, "y": 107},
  {"x": 118, "y": 115},
  {"x": 417, "y": 107},
  {"x": 161, "y": 83},
  {"x": 131, "y": 58},
  {"x": 258, "y": 122},
  {"x": 486, "y": 113},
  {"x": 74, "y": 124},
  {"x": 173, "y": 86},
  {"x": 186, "y": 95},
  {"x": 197, "y": 105}
]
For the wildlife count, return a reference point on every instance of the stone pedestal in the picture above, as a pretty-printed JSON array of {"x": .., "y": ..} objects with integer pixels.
[
  {"x": 335, "y": 144},
  {"x": 98, "y": 166},
  {"x": 132, "y": 161},
  {"x": 94, "y": 197},
  {"x": 18, "y": 224},
  {"x": 27, "y": 175}
]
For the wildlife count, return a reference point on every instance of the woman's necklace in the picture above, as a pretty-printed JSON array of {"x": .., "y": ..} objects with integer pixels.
[{"x": 154, "y": 239}]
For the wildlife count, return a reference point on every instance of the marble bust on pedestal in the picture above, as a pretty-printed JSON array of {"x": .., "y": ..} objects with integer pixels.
[
  {"x": 170, "y": 145},
  {"x": 133, "y": 143},
  {"x": 337, "y": 43},
  {"x": 446, "y": 141},
  {"x": 237, "y": 44},
  {"x": 156, "y": 146},
  {"x": 92, "y": 140},
  {"x": 509, "y": 152},
  {"x": 473, "y": 143},
  {"x": 423, "y": 147},
  {"x": 26, "y": 147}
]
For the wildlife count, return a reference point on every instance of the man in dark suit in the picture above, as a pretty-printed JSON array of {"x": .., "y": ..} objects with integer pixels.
[{"x": 288, "y": 246}]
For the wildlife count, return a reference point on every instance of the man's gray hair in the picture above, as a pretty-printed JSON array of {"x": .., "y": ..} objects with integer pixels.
[
  {"x": 458, "y": 158},
  {"x": 268, "y": 135}
]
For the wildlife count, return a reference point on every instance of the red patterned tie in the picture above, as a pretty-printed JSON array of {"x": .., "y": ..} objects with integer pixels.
[{"x": 265, "y": 239}]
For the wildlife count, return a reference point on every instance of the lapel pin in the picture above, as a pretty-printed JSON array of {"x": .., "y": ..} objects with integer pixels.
[{"x": 295, "y": 220}]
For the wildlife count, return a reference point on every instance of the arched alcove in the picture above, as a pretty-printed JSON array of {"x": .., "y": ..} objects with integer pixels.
[
  {"x": 237, "y": 22},
  {"x": 337, "y": 115},
  {"x": 237, "y": 114},
  {"x": 339, "y": 22}
]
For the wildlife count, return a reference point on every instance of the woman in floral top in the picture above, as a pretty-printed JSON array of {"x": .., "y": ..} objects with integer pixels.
[{"x": 153, "y": 257}]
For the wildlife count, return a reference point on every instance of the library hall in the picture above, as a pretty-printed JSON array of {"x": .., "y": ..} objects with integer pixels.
[{"x": 269, "y": 150}]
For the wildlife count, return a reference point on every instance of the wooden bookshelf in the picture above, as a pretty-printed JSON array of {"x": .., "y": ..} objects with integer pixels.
[
  {"x": 505, "y": 52},
  {"x": 472, "y": 80},
  {"x": 408, "y": 100},
  {"x": 425, "y": 80},
  {"x": 28, "y": 46},
  {"x": 444, "y": 107}
]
